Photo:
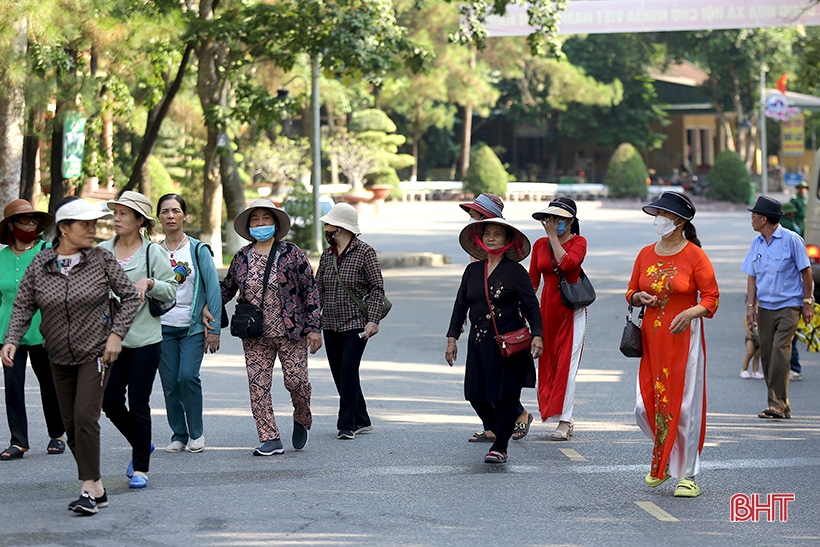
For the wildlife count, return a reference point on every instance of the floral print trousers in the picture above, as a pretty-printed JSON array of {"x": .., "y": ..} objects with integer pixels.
[{"x": 260, "y": 354}]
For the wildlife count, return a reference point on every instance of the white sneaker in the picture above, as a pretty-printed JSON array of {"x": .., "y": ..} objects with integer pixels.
[
  {"x": 796, "y": 375},
  {"x": 758, "y": 375},
  {"x": 176, "y": 446},
  {"x": 197, "y": 445},
  {"x": 745, "y": 374}
]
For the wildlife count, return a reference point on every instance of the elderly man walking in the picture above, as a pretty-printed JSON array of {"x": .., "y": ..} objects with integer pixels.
[{"x": 780, "y": 281}]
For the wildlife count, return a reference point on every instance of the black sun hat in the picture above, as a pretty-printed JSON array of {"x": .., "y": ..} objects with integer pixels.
[
  {"x": 671, "y": 202},
  {"x": 768, "y": 207}
]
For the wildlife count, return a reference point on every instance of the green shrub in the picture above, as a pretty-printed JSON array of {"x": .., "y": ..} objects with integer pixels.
[
  {"x": 158, "y": 179},
  {"x": 729, "y": 179},
  {"x": 486, "y": 172},
  {"x": 626, "y": 176}
]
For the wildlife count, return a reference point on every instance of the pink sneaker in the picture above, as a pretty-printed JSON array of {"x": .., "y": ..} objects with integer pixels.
[
  {"x": 745, "y": 374},
  {"x": 758, "y": 375}
]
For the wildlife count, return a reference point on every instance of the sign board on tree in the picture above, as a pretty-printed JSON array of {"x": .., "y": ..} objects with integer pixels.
[{"x": 73, "y": 144}]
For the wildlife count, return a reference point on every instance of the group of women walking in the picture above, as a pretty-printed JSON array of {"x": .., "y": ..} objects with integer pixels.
[
  {"x": 97, "y": 323},
  {"x": 672, "y": 279}
]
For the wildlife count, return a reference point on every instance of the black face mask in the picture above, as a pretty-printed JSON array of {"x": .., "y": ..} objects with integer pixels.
[{"x": 330, "y": 237}]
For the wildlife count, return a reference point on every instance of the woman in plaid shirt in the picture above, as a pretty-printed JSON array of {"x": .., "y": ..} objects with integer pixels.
[{"x": 351, "y": 262}]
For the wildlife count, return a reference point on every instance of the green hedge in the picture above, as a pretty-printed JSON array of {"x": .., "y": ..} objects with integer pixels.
[
  {"x": 626, "y": 176},
  {"x": 729, "y": 179},
  {"x": 486, "y": 172}
]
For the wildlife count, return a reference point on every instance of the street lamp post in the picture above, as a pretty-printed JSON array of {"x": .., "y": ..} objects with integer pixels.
[{"x": 315, "y": 145}]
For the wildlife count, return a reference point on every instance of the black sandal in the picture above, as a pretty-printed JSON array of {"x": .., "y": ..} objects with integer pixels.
[
  {"x": 56, "y": 446},
  {"x": 12, "y": 453}
]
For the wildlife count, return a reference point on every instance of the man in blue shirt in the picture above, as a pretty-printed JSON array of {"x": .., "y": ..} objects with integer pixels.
[{"x": 780, "y": 281}]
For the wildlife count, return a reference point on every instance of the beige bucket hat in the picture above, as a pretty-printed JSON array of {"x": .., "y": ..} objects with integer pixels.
[
  {"x": 240, "y": 223},
  {"x": 137, "y": 202},
  {"x": 344, "y": 216}
]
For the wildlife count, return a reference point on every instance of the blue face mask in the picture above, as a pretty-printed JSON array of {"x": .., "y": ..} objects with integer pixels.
[
  {"x": 562, "y": 226},
  {"x": 262, "y": 233}
]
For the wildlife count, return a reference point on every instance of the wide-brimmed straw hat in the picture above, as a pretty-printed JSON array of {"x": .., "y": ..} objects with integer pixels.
[
  {"x": 20, "y": 207},
  {"x": 80, "y": 209},
  {"x": 242, "y": 220},
  {"x": 768, "y": 207},
  {"x": 671, "y": 202},
  {"x": 488, "y": 205},
  {"x": 137, "y": 202},
  {"x": 344, "y": 216},
  {"x": 559, "y": 207},
  {"x": 471, "y": 234}
]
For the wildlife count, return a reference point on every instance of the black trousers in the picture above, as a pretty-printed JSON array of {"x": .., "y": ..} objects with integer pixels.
[
  {"x": 133, "y": 372},
  {"x": 502, "y": 415},
  {"x": 344, "y": 354},
  {"x": 14, "y": 378}
]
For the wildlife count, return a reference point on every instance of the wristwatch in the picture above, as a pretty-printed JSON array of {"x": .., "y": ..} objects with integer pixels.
[{"x": 808, "y": 301}]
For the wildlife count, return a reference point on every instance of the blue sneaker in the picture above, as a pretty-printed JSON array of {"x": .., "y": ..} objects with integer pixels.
[
  {"x": 129, "y": 471},
  {"x": 138, "y": 481}
]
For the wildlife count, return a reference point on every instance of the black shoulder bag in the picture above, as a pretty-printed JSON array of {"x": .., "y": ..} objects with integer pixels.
[
  {"x": 631, "y": 343},
  {"x": 156, "y": 307},
  {"x": 574, "y": 295},
  {"x": 247, "y": 318},
  {"x": 361, "y": 302}
]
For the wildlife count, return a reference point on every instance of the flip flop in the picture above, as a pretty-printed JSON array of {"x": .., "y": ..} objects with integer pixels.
[
  {"x": 687, "y": 489},
  {"x": 495, "y": 457},
  {"x": 522, "y": 428},
  {"x": 770, "y": 413},
  {"x": 481, "y": 437},
  {"x": 56, "y": 446},
  {"x": 12, "y": 453}
]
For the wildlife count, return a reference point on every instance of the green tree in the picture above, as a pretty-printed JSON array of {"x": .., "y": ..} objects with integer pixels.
[
  {"x": 611, "y": 58},
  {"x": 729, "y": 178},
  {"x": 733, "y": 59},
  {"x": 486, "y": 173},
  {"x": 626, "y": 175}
]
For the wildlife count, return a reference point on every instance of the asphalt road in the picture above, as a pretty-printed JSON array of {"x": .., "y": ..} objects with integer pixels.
[{"x": 415, "y": 480}]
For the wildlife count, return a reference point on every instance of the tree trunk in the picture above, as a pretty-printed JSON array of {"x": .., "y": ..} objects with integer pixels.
[
  {"x": 466, "y": 138},
  {"x": 414, "y": 170},
  {"x": 12, "y": 118},
  {"x": 234, "y": 195},
  {"x": 31, "y": 150},
  {"x": 209, "y": 87},
  {"x": 467, "y": 130},
  {"x": 59, "y": 185},
  {"x": 157, "y": 116}
]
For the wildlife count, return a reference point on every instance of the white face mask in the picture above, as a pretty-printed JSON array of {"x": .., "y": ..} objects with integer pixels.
[{"x": 664, "y": 226}]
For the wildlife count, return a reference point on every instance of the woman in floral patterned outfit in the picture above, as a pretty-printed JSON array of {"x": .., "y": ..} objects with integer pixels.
[
  {"x": 676, "y": 282},
  {"x": 291, "y": 316}
]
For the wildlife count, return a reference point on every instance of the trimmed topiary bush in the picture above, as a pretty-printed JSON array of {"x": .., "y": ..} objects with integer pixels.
[
  {"x": 729, "y": 179},
  {"x": 626, "y": 176},
  {"x": 486, "y": 172}
]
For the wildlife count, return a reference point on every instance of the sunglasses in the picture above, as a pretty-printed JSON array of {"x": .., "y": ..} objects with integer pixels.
[{"x": 26, "y": 220}]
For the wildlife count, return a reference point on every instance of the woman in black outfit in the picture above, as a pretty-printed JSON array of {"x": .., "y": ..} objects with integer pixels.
[{"x": 492, "y": 383}]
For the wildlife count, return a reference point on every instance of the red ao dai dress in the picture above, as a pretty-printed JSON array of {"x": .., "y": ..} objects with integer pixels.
[{"x": 671, "y": 392}]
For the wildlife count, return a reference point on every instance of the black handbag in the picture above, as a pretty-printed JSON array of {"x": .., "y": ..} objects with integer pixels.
[
  {"x": 246, "y": 321},
  {"x": 247, "y": 318},
  {"x": 631, "y": 342},
  {"x": 156, "y": 307},
  {"x": 574, "y": 295},
  {"x": 362, "y": 302}
]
